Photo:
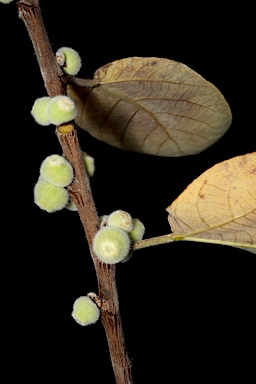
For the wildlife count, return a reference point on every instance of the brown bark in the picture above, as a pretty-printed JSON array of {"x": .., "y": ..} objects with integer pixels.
[
  {"x": 54, "y": 79},
  {"x": 80, "y": 194},
  {"x": 80, "y": 191}
]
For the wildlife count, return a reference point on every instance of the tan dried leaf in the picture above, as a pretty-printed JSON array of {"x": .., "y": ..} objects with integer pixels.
[
  {"x": 220, "y": 205},
  {"x": 151, "y": 105}
]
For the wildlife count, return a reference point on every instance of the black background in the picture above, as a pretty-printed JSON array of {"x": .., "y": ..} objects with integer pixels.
[{"x": 187, "y": 308}]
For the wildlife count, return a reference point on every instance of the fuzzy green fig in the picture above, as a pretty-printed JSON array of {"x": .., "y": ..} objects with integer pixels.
[
  {"x": 85, "y": 311},
  {"x": 137, "y": 231},
  {"x": 61, "y": 109},
  {"x": 121, "y": 219},
  {"x": 57, "y": 170},
  {"x": 39, "y": 110},
  {"x": 50, "y": 197},
  {"x": 69, "y": 59},
  {"x": 111, "y": 244}
]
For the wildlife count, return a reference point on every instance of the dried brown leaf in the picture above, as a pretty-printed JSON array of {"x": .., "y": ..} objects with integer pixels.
[
  {"x": 151, "y": 105},
  {"x": 220, "y": 205}
]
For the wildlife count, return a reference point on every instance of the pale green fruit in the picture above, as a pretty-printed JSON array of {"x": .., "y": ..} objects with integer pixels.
[
  {"x": 71, "y": 206},
  {"x": 111, "y": 244},
  {"x": 57, "y": 170},
  {"x": 128, "y": 257},
  {"x": 61, "y": 109},
  {"x": 85, "y": 311},
  {"x": 50, "y": 197},
  {"x": 121, "y": 219},
  {"x": 137, "y": 231},
  {"x": 89, "y": 164},
  {"x": 69, "y": 60},
  {"x": 39, "y": 110}
]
